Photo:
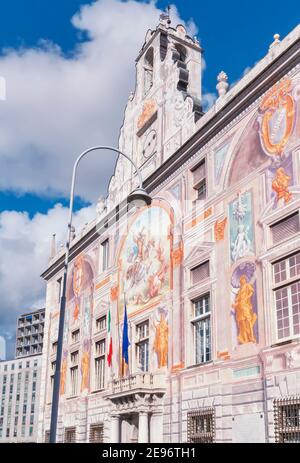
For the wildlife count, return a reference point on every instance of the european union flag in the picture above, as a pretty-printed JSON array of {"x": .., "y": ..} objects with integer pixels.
[{"x": 125, "y": 342}]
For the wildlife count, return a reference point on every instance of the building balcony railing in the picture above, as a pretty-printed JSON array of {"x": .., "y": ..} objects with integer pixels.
[{"x": 139, "y": 381}]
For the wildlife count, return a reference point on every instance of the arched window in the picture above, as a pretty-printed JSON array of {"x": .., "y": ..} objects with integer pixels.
[
  {"x": 148, "y": 71},
  {"x": 180, "y": 53}
]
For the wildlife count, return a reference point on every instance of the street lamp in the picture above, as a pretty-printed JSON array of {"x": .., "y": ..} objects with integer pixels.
[{"x": 139, "y": 197}]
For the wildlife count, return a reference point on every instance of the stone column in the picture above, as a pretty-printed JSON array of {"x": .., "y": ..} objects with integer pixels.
[
  {"x": 115, "y": 429},
  {"x": 143, "y": 427},
  {"x": 156, "y": 428}
]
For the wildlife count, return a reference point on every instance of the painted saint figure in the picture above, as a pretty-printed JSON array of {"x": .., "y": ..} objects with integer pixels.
[
  {"x": 280, "y": 185},
  {"x": 85, "y": 366},
  {"x": 244, "y": 314},
  {"x": 161, "y": 341},
  {"x": 63, "y": 376}
]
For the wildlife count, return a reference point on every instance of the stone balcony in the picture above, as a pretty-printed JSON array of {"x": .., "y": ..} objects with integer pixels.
[{"x": 139, "y": 382}]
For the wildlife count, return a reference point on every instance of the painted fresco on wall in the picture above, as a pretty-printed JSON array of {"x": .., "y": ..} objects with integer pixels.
[
  {"x": 267, "y": 139},
  {"x": 244, "y": 304},
  {"x": 161, "y": 337},
  {"x": 241, "y": 226},
  {"x": 277, "y": 118},
  {"x": 144, "y": 260},
  {"x": 80, "y": 291},
  {"x": 219, "y": 157},
  {"x": 279, "y": 178}
]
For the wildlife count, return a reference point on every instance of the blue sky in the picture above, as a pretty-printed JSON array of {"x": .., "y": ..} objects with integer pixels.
[
  {"x": 67, "y": 86},
  {"x": 234, "y": 35}
]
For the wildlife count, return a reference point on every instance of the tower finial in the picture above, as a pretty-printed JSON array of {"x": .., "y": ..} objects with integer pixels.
[{"x": 166, "y": 16}]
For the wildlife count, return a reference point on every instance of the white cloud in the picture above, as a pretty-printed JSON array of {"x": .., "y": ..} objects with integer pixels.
[
  {"x": 56, "y": 106},
  {"x": 208, "y": 99},
  {"x": 25, "y": 248}
]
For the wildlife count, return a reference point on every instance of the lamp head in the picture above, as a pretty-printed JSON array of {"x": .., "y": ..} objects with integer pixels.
[{"x": 139, "y": 198}]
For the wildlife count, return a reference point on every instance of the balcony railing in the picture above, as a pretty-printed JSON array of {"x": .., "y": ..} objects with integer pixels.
[{"x": 137, "y": 381}]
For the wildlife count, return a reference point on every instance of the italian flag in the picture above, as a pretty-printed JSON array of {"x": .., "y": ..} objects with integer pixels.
[{"x": 110, "y": 348}]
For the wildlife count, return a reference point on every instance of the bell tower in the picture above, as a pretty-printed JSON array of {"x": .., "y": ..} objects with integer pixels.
[{"x": 162, "y": 112}]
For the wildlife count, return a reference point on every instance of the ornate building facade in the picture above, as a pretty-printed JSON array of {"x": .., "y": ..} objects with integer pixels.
[{"x": 210, "y": 272}]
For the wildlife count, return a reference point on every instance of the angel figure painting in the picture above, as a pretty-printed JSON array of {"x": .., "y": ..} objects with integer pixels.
[{"x": 144, "y": 260}]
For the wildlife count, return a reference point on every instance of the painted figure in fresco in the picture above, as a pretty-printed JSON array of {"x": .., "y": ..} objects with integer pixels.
[
  {"x": 244, "y": 314},
  {"x": 161, "y": 341},
  {"x": 280, "y": 185},
  {"x": 242, "y": 244},
  {"x": 63, "y": 376},
  {"x": 77, "y": 285},
  {"x": 85, "y": 366}
]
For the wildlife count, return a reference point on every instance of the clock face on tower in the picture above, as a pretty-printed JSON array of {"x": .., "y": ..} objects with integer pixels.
[{"x": 149, "y": 144}]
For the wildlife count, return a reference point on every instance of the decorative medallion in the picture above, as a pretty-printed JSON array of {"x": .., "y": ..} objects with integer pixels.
[{"x": 278, "y": 117}]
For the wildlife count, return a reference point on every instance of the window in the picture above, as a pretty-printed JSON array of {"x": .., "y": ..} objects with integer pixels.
[
  {"x": 142, "y": 345},
  {"x": 287, "y": 420},
  {"x": 148, "y": 71},
  {"x": 75, "y": 335},
  {"x": 200, "y": 426},
  {"x": 97, "y": 433},
  {"x": 199, "y": 180},
  {"x": 100, "y": 364},
  {"x": 54, "y": 347},
  {"x": 286, "y": 287},
  {"x": 70, "y": 435},
  {"x": 53, "y": 366},
  {"x": 202, "y": 329},
  {"x": 101, "y": 323},
  {"x": 105, "y": 254},
  {"x": 74, "y": 372},
  {"x": 199, "y": 273},
  {"x": 47, "y": 437},
  {"x": 285, "y": 228}
]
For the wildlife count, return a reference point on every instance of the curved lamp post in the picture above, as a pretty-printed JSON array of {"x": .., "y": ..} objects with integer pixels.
[{"x": 139, "y": 197}]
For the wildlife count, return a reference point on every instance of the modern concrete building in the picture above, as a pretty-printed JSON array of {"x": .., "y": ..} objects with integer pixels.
[
  {"x": 30, "y": 333},
  {"x": 2, "y": 348},
  {"x": 210, "y": 272},
  {"x": 19, "y": 386}
]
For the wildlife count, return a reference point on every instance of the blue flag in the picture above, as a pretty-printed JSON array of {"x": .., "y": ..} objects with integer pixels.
[{"x": 125, "y": 343}]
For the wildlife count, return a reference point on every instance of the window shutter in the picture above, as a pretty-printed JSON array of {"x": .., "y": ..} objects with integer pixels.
[
  {"x": 199, "y": 173},
  {"x": 97, "y": 433},
  {"x": 285, "y": 228},
  {"x": 200, "y": 272}
]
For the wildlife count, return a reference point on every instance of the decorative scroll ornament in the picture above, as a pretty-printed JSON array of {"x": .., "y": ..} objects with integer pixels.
[
  {"x": 278, "y": 117},
  {"x": 149, "y": 109},
  {"x": 220, "y": 229}
]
